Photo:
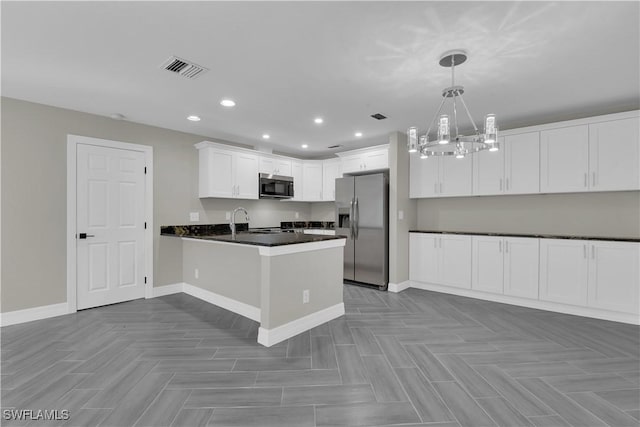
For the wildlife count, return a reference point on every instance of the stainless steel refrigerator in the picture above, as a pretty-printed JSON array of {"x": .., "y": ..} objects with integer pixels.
[{"x": 362, "y": 206}]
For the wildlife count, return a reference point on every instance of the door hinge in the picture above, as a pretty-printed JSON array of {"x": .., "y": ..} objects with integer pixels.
[
  {"x": 145, "y": 279},
  {"x": 145, "y": 225},
  {"x": 145, "y": 170}
]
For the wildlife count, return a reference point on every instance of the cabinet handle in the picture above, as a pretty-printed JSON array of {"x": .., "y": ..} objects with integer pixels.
[
  {"x": 584, "y": 251},
  {"x": 507, "y": 183},
  {"x": 435, "y": 188},
  {"x": 585, "y": 179},
  {"x": 500, "y": 184},
  {"x": 435, "y": 243},
  {"x": 593, "y": 251},
  {"x": 500, "y": 246},
  {"x": 593, "y": 176},
  {"x": 440, "y": 241},
  {"x": 506, "y": 246},
  {"x": 440, "y": 188}
]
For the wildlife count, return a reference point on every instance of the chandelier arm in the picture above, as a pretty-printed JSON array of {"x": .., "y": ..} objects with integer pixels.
[
  {"x": 455, "y": 114},
  {"x": 435, "y": 117},
  {"x": 469, "y": 115}
]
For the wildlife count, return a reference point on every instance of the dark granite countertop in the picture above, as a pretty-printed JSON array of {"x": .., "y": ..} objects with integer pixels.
[
  {"x": 328, "y": 225},
  {"x": 246, "y": 236},
  {"x": 540, "y": 236}
]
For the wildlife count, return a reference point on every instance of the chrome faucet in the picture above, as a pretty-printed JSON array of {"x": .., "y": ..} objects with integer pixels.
[{"x": 233, "y": 220}]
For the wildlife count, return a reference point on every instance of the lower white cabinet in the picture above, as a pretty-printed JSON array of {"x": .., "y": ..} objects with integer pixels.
[
  {"x": 505, "y": 265},
  {"x": 564, "y": 268},
  {"x": 440, "y": 258},
  {"x": 614, "y": 276}
]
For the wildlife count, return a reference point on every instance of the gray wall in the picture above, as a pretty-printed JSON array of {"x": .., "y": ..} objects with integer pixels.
[
  {"x": 399, "y": 201},
  {"x": 614, "y": 214},
  {"x": 33, "y": 180}
]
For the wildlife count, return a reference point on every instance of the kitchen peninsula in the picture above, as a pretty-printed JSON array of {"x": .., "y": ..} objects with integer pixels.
[{"x": 289, "y": 282}]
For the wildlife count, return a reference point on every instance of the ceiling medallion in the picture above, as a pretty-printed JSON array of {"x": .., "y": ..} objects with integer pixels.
[{"x": 444, "y": 144}]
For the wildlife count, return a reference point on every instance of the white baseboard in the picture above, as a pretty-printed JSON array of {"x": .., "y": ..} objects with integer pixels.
[
  {"x": 31, "y": 314},
  {"x": 161, "y": 291},
  {"x": 398, "y": 287},
  {"x": 269, "y": 337},
  {"x": 237, "y": 307},
  {"x": 633, "y": 319}
]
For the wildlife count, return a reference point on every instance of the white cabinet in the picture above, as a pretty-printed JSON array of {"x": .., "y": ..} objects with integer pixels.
[
  {"x": 614, "y": 276},
  {"x": 505, "y": 265},
  {"x": 296, "y": 173},
  {"x": 440, "y": 258},
  {"x": 515, "y": 169},
  {"x": 440, "y": 176},
  {"x": 312, "y": 181},
  {"x": 227, "y": 173},
  {"x": 614, "y": 155},
  {"x": 275, "y": 165},
  {"x": 564, "y": 268},
  {"x": 330, "y": 171},
  {"x": 564, "y": 159},
  {"x": 363, "y": 160}
]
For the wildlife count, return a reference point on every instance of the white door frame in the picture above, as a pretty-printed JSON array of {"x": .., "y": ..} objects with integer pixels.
[{"x": 72, "y": 144}]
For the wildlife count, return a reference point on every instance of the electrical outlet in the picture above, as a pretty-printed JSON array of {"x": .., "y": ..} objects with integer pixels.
[
  {"x": 297, "y": 215},
  {"x": 227, "y": 216},
  {"x": 305, "y": 296},
  {"x": 196, "y": 273},
  {"x": 194, "y": 216}
]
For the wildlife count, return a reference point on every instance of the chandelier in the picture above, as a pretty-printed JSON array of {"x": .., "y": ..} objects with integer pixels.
[{"x": 444, "y": 144}]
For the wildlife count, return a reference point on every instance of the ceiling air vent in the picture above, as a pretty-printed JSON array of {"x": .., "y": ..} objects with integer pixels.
[
  {"x": 378, "y": 116},
  {"x": 334, "y": 146},
  {"x": 183, "y": 67}
]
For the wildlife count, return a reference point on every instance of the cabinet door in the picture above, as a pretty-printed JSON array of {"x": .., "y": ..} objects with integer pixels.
[
  {"x": 215, "y": 173},
  {"x": 563, "y": 271},
  {"x": 614, "y": 155},
  {"x": 283, "y": 167},
  {"x": 296, "y": 173},
  {"x": 521, "y": 267},
  {"x": 522, "y": 163},
  {"x": 376, "y": 159},
  {"x": 424, "y": 261},
  {"x": 267, "y": 165},
  {"x": 246, "y": 175},
  {"x": 330, "y": 171},
  {"x": 488, "y": 171},
  {"x": 352, "y": 164},
  {"x": 423, "y": 176},
  {"x": 456, "y": 176},
  {"x": 614, "y": 276},
  {"x": 564, "y": 159},
  {"x": 455, "y": 252},
  {"x": 312, "y": 177},
  {"x": 487, "y": 264}
]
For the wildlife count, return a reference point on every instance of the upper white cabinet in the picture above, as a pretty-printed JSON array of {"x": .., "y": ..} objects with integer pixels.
[
  {"x": 275, "y": 165},
  {"x": 227, "y": 173},
  {"x": 440, "y": 176},
  {"x": 296, "y": 173},
  {"x": 564, "y": 160},
  {"x": 515, "y": 169},
  {"x": 330, "y": 171},
  {"x": 440, "y": 258},
  {"x": 312, "y": 179},
  {"x": 614, "y": 155},
  {"x": 366, "y": 159}
]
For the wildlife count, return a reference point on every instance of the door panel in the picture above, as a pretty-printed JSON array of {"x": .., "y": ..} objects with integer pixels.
[
  {"x": 110, "y": 210},
  {"x": 344, "y": 198},
  {"x": 614, "y": 276},
  {"x": 522, "y": 163},
  {"x": 456, "y": 261},
  {"x": 521, "y": 267},
  {"x": 563, "y": 271},
  {"x": 423, "y": 176},
  {"x": 488, "y": 260},
  {"x": 564, "y": 159},
  {"x": 610, "y": 169},
  {"x": 246, "y": 175},
  {"x": 488, "y": 171},
  {"x": 456, "y": 176},
  {"x": 424, "y": 257}
]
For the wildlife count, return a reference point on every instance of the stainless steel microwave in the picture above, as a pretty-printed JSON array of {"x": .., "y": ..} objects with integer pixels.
[{"x": 275, "y": 186}]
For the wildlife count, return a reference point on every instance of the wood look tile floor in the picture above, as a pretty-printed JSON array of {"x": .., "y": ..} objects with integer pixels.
[{"x": 414, "y": 358}]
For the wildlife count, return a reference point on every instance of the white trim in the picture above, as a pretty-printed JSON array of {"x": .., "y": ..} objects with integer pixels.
[
  {"x": 279, "y": 250},
  {"x": 362, "y": 150},
  {"x": 633, "y": 319},
  {"x": 72, "y": 143},
  {"x": 398, "y": 287},
  {"x": 161, "y": 291},
  {"x": 237, "y": 307},
  {"x": 31, "y": 314},
  {"x": 568, "y": 123},
  {"x": 269, "y": 337}
]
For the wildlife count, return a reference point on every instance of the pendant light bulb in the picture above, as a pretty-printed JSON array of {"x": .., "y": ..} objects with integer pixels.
[
  {"x": 412, "y": 139},
  {"x": 443, "y": 130}
]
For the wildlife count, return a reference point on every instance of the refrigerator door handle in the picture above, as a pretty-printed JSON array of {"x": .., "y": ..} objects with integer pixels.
[
  {"x": 356, "y": 224},
  {"x": 351, "y": 234}
]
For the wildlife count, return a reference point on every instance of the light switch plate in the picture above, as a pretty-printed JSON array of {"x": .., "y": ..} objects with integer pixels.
[
  {"x": 400, "y": 215},
  {"x": 297, "y": 215},
  {"x": 194, "y": 216},
  {"x": 227, "y": 216}
]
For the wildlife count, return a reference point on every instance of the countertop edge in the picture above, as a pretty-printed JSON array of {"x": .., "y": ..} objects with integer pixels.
[{"x": 533, "y": 236}]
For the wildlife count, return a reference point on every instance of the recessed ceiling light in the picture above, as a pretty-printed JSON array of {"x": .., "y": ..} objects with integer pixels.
[
  {"x": 228, "y": 103},
  {"x": 193, "y": 118},
  {"x": 318, "y": 120},
  {"x": 266, "y": 136},
  {"x": 358, "y": 134},
  {"x": 305, "y": 145}
]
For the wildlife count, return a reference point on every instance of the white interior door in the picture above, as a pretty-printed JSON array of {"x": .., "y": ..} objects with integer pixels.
[{"x": 110, "y": 197}]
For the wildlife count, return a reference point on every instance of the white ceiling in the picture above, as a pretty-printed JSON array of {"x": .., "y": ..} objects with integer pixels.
[{"x": 285, "y": 63}]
